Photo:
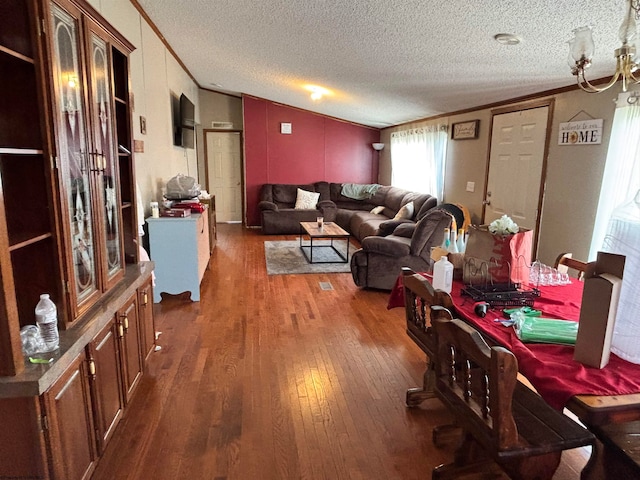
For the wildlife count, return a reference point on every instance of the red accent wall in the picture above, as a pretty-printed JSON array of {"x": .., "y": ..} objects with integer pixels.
[{"x": 319, "y": 148}]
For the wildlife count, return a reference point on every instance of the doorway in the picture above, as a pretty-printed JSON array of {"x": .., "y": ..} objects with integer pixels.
[
  {"x": 517, "y": 166},
  {"x": 223, "y": 171}
]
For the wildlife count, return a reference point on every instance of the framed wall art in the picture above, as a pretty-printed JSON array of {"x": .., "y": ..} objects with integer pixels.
[{"x": 465, "y": 130}]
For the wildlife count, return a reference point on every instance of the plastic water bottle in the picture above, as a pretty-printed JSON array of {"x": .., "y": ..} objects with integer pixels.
[
  {"x": 453, "y": 243},
  {"x": 443, "y": 275},
  {"x": 446, "y": 239},
  {"x": 462, "y": 245},
  {"x": 623, "y": 237},
  {"x": 47, "y": 320}
]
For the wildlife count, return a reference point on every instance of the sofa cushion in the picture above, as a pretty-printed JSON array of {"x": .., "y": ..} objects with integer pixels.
[
  {"x": 306, "y": 200},
  {"x": 286, "y": 220},
  {"x": 323, "y": 189},
  {"x": 364, "y": 224},
  {"x": 394, "y": 198},
  {"x": 341, "y": 201},
  {"x": 285, "y": 195},
  {"x": 428, "y": 204},
  {"x": 419, "y": 199}
]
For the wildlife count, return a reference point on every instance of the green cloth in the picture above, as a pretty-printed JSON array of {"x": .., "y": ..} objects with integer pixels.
[
  {"x": 359, "y": 191},
  {"x": 546, "y": 330}
]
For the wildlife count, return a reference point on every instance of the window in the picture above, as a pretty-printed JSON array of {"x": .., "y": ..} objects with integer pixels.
[
  {"x": 621, "y": 178},
  {"x": 418, "y": 159}
]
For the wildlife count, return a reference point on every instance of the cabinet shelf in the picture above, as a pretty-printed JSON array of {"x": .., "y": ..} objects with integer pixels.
[
  {"x": 30, "y": 241},
  {"x": 18, "y": 55},
  {"x": 20, "y": 151}
]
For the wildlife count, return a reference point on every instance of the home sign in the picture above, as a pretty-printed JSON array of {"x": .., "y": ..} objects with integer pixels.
[{"x": 581, "y": 133}]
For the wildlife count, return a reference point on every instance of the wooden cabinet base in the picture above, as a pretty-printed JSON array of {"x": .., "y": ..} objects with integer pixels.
[{"x": 57, "y": 419}]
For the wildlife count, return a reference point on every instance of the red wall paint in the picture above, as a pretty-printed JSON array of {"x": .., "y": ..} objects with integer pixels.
[{"x": 319, "y": 148}]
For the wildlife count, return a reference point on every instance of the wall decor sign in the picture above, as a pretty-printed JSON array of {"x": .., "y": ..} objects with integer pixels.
[
  {"x": 582, "y": 132},
  {"x": 465, "y": 130}
]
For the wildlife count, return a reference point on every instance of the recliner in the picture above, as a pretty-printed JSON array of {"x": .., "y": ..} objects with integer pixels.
[{"x": 380, "y": 260}]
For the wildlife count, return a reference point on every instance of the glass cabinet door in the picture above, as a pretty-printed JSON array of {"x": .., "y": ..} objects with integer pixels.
[
  {"x": 105, "y": 158},
  {"x": 73, "y": 152}
]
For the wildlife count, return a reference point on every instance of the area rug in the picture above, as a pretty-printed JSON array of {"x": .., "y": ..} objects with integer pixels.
[{"x": 285, "y": 257}]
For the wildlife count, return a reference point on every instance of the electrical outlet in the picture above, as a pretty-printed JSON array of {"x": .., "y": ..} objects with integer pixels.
[{"x": 471, "y": 186}]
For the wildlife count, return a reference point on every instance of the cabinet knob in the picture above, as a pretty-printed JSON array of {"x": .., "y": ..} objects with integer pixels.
[
  {"x": 125, "y": 322},
  {"x": 145, "y": 299},
  {"x": 120, "y": 331}
]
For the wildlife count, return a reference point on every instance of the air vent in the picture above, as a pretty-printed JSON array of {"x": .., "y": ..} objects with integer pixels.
[
  {"x": 326, "y": 286},
  {"x": 222, "y": 125}
]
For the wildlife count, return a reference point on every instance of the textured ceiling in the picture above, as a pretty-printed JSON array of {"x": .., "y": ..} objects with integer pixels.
[{"x": 385, "y": 62}]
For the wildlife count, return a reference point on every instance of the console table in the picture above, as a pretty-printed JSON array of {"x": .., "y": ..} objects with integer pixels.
[{"x": 180, "y": 249}]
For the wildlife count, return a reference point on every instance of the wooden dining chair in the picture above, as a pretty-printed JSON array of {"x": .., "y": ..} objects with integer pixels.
[
  {"x": 423, "y": 304},
  {"x": 565, "y": 261},
  {"x": 503, "y": 422}
]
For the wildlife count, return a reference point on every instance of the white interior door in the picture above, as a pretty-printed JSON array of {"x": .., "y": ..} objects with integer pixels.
[
  {"x": 516, "y": 162},
  {"x": 224, "y": 174}
]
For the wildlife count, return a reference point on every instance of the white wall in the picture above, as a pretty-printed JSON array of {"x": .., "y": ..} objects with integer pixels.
[
  {"x": 155, "y": 74},
  {"x": 574, "y": 173},
  {"x": 216, "y": 107}
]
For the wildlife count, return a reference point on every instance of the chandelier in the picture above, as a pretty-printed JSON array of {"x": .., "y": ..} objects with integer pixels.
[{"x": 581, "y": 49}]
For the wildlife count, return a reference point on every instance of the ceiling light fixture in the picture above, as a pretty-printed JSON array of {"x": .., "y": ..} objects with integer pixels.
[
  {"x": 507, "y": 39},
  {"x": 377, "y": 146},
  {"x": 581, "y": 49},
  {"x": 317, "y": 92}
]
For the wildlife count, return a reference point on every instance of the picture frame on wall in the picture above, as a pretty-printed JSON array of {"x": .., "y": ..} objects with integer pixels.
[{"x": 465, "y": 130}]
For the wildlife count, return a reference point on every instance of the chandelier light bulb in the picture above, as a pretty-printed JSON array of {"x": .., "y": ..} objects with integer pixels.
[{"x": 627, "y": 32}]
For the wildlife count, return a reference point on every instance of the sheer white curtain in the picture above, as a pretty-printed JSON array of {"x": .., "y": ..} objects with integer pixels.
[
  {"x": 418, "y": 159},
  {"x": 621, "y": 179}
]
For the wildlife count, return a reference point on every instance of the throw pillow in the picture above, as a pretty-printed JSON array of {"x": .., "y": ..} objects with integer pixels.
[
  {"x": 378, "y": 209},
  {"x": 405, "y": 212},
  {"x": 306, "y": 200}
]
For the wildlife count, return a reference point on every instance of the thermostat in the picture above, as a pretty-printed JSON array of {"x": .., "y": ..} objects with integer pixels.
[{"x": 285, "y": 128}]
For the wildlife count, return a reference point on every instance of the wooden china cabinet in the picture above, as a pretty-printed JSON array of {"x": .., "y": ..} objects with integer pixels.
[{"x": 68, "y": 227}]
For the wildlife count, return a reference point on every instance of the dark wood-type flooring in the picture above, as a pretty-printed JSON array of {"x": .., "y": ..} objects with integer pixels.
[{"x": 271, "y": 377}]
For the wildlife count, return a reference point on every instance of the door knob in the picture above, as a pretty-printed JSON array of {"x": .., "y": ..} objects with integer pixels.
[{"x": 486, "y": 202}]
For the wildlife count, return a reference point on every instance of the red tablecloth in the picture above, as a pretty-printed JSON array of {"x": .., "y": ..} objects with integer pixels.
[{"x": 550, "y": 368}]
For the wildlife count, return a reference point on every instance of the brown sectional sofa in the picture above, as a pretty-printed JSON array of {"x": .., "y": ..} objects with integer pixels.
[{"x": 279, "y": 216}]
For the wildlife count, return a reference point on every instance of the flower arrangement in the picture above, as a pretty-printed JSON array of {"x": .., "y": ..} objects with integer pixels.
[{"x": 503, "y": 226}]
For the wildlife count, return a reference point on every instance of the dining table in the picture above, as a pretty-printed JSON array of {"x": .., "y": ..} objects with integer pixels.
[{"x": 597, "y": 396}]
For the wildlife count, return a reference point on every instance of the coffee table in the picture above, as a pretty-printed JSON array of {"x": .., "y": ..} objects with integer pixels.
[{"x": 328, "y": 231}]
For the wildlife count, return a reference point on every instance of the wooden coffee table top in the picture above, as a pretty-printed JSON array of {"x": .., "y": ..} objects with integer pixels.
[{"x": 328, "y": 230}]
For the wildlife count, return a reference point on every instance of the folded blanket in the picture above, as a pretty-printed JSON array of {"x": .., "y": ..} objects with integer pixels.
[{"x": 359, "y": 191}]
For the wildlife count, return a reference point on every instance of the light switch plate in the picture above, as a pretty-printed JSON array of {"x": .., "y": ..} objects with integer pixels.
[
  {"x": 285, "y": 128},
  {"x": 471, "y": 186}
]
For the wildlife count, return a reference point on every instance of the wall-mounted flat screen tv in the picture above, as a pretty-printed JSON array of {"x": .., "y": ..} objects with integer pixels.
[{"x": 183, "y": 112}]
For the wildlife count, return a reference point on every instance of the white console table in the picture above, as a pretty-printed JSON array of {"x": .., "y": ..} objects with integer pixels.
[{"x": 180, "y": 249}]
